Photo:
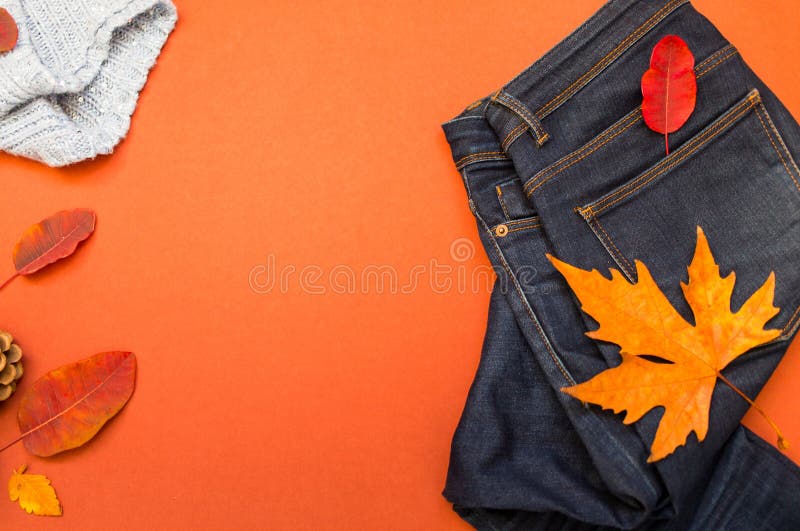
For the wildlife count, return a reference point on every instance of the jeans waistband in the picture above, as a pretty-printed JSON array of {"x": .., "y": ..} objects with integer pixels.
[{"x": 553, "y": 79}]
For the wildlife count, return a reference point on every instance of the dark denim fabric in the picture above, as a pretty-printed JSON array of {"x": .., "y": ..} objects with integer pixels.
[{"x": 559, "y": 161}]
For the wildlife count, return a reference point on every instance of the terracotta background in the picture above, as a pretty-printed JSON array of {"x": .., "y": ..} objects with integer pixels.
[{"x": 308, "y": 131}]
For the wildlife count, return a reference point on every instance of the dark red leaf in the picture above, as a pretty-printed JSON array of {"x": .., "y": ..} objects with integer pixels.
[
  {"x": 669, "y": 88},
  {"x": 8, "y": 31},
  {"x": 52, "y": 239}
]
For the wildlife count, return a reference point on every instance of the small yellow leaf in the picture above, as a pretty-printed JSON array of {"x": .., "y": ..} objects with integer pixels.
[{"x": 34, "y": 492}]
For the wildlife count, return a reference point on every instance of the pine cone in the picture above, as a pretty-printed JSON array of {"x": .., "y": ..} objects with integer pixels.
[{"x": 10, "y": 365}]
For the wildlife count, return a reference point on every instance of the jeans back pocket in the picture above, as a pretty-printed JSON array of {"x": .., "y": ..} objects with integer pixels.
[{"x": 738, "y": 181}]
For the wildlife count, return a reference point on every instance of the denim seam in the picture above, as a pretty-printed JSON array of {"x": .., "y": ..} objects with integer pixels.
[
  {"x": 502, "y": 202},
  {"x": 518, "y": 289},
  {"x": 563, "y": 96},
  {"x": 531, "y": 219},
  {"x": 513, "y": 135},
  {"x": 590, "y": 147},
  {"x": 721, "y": 125},
  {"x": 464, "y": 177},
  {"x": 525, "y": 114},
  {"x": 609, "y": 58},
  {"x": 628, "y": 121},
  {"x": 527, "y": 117},
  {"x": 704, "y": 67},
  {"x": 525, "y": 227},
  {"x": 522, "y": 225},
  {"x": 608, "y": 243},
  {"x": 479, "y": 157},
  {"x": 714, "y": 55},
  {"x": 624, "y": 258},
  {"x": 461, "y": 118},
  {"x": 753, "y": 101},
  {"x": 759, "y": 110},
  {"x": 791, "y": 326},
  {"x": 474, "y": 105}
]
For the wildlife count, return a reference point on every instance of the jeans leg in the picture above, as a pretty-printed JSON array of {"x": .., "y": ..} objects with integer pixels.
[
  {"x": 594, "y": 470},
  {"x": 753, "y": 487},
  {"x": 516, "y": 460}
]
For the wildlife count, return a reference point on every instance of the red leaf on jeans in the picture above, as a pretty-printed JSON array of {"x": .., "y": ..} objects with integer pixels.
[
  {"x": 8, "y": 31},
  {"x": 669, "y": 88}
]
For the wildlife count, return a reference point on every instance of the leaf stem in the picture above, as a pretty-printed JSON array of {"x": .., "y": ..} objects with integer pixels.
[
  {"x": 15, "y": 441},
  {"x": 783, "y": 444},
  {"x": 666, "y": 142},
  {"x": 8, "y": 281}
]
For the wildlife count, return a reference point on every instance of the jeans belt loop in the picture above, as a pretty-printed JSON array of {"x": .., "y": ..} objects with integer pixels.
[{"x": 520, "y": 110}]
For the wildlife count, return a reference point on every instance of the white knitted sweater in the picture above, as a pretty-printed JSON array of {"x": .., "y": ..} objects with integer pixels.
[{"x": 68, "y": 89}]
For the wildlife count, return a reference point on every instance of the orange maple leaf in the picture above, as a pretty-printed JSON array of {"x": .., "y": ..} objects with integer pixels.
[{"x": 640, "y": 319}]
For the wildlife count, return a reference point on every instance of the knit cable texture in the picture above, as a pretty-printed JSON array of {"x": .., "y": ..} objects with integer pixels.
[{"x": 69, "y": 88}]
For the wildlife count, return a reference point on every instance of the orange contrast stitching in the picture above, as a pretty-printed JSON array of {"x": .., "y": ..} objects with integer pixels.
[
  {"x": 532, "y": 219},
  {"x": 565, "y": 163},
  {"x": 790, "y": 324},
  {"x": 626, "y": 266},
  {"x": 525, "y": 227},
  {"x": 478, "y": 157},
  {"x": 528, "y": 310},
  {"x": 599, "y": 141},
  {"x": 526, "y": 115},
  {"x": 502, "y": 201},
  {"x": 704, "y": 67},
  {"x": 609, "y": 57},
  {"x": 713, "y": 56},
  {"x": 679, "y": 156},
  {"x": 521, "y": 224},
  {"x": 710, "y": 68},
  {"x": 513, "y": 135},
  {"x": 759, "y": 110}
]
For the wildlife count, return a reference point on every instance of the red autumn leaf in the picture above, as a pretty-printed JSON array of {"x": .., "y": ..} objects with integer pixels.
[
  {"x": 669, "y": 88},
  {"x": 8, "y": 31},
  {"x": 66, "y": 407},
  {"x": 52, "y": 239}
]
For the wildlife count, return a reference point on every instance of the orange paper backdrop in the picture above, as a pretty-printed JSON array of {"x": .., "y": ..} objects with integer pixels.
[{"x": 307, "y": 133}]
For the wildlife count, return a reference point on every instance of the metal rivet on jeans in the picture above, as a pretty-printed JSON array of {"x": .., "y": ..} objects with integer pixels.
[{"x": 501, "y": 230}]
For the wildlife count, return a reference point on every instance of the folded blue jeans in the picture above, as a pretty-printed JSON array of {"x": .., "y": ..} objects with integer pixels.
[{"x": 560, "y": 161}]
